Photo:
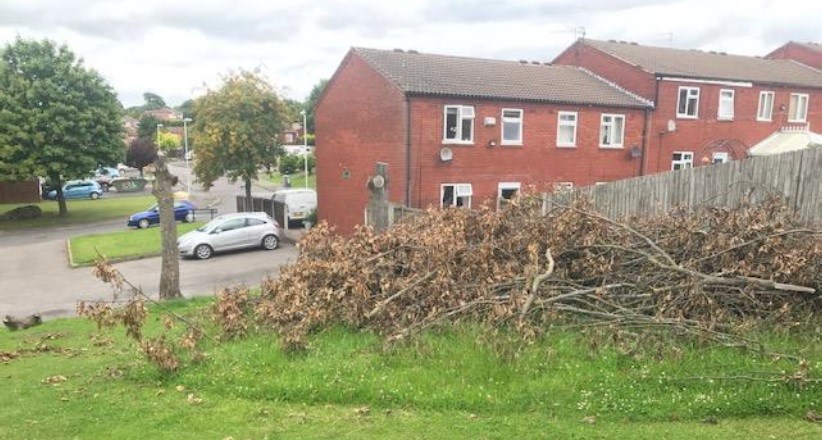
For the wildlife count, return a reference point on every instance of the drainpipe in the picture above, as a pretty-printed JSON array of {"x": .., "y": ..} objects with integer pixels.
[
  {"x": 645, "y": 128},
  {"x": 407, "y": 151}
]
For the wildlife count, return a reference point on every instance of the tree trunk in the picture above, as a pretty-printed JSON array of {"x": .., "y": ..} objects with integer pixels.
[
  {"x": 162, "y": 190},
  {"x": 61, "y": 198},
  {"x": 249, "y": 206}
]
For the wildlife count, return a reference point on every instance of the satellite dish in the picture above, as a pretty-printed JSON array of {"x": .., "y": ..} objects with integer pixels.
[
  {"x": 446, "y": 154},
  {"x": 671, "y": 125}
]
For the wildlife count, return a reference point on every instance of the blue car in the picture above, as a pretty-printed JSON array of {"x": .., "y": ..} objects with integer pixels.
[
  {"x": 183, "y": 211},
  {"x": 85, "y": 189}
]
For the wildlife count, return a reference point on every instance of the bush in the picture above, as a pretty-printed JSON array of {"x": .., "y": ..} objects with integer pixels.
[{"x": 292, "y": 163}]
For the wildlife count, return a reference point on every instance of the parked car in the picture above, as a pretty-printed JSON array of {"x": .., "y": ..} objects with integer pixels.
[
  {"x": 183, "y": 211},
  {"x": 229, "y": 232},
  {"x": 299, "y": 203},
  {"x": 105, "y": 175},
  {"x": 81, "y": 189}
]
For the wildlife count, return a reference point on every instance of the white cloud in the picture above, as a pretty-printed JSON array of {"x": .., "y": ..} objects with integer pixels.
[{"x": 173, "y": 48}]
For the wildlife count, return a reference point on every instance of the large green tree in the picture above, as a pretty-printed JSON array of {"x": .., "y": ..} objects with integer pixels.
[
  {"x": 58, "y": 118},
  {"x": 311, "y": 102},
  {"x": 153, "y": 101},
  {"x": 236, "y": 127}
]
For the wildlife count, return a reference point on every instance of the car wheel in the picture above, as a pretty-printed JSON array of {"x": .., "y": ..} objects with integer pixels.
[
  {"x": 94, "y": 196},
  {"x": 142, "y": 224},
  {"x": 189, "y": 217},
  {"x": 270, "y": 242},
  {"x": 203, "y": 251}
]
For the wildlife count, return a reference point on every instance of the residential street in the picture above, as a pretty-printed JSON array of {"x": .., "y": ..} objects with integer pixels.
[{"x": 35, "y": 276}]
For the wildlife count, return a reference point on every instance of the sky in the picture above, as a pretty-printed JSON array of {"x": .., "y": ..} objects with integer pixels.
[{"x": 180, "y": 48}]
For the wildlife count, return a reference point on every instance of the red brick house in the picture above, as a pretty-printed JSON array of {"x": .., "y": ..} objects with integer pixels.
[
  {"x": 809, "y": 54},
  {"x": 708, "y": 106},
  {"x": 460, "y": 131}
]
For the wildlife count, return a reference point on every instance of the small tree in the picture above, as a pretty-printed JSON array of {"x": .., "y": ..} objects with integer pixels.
[
  {"x": 235, "y": 128},
  {"x": 140, "y": 153},
  {"x": 147, "y": 128},
  {"x": 168, "y": 142},
  {"x": 57, "y": 117},
  {"x": 311, "y": 102}
]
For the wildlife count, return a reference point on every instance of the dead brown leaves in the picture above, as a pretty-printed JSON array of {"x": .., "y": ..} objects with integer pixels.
[{"x": 708, "y": 268}]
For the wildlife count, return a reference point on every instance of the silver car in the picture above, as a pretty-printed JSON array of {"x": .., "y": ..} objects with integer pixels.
[{"x": 229, "y": 232}]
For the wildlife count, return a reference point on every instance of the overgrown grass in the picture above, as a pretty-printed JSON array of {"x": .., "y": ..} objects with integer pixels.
[
  {"x": 128, "y": 244},
  {"x": 79, "y": 211},
  {"x": 459, "y": 383}
]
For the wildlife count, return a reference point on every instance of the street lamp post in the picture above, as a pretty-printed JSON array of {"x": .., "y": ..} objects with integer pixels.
[
  {"x": 157, "y": 141},
  {"x": 185, "y": 152},
  {"x": 305, "y": 145}
]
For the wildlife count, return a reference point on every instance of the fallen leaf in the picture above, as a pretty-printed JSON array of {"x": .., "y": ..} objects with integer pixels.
[
  {"x": 54, "y": 380},
  {"x": 181, "y": 388},
  {"x": 194, "y": 400},
  {"x": 589, "y": 419},
  {"x": 362, "y": 411}
]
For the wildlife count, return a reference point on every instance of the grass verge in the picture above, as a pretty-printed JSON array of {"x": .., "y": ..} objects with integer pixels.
[
  {"x": 297, "y": 180},
  {"x": 129, "y": 244},
  {"x": 459, "y": 383},
  {"x": 79, "y": 211}
]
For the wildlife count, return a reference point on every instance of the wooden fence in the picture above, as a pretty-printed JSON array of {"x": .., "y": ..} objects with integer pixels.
[
  {"x": 795, "y": 176},
  {"x": 264, "y": 204},
  {"x": 22, "y": 191}
]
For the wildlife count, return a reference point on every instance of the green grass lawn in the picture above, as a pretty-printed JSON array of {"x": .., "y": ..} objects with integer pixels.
[
  {"x": 128, "y": 244},
  {"x": 297, "y": 179},
  {"x": 79, "y": 211},
  {"x": 457, "y": 384}
]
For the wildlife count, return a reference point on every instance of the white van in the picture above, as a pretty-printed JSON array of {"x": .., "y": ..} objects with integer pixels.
[{"x": 299, "y": 202}]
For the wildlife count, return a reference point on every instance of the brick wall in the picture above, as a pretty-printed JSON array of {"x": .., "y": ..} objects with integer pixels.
[
  {"x": 537, "y": 162},
  {"x": 360, "y": 120},
  {"x": 625, "y": 75},
  {"x": 799, "y": 53},
  {"x": 700, "y": 136}
]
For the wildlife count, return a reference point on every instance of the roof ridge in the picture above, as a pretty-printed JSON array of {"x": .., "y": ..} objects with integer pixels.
[{"x": 460, "y": 57}]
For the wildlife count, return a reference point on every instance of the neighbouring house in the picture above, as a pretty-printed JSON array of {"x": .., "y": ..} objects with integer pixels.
[
  {"x": 809, "y": 54},
  {"x": 165, "y": 114},
  {"x": 709, "y": 107},
  {"x": 458, "y": 131},
  {"x": 292, "y": 132}
]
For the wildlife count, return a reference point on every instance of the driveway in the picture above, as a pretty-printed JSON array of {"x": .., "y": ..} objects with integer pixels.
[{"x": 35, "y": 276}]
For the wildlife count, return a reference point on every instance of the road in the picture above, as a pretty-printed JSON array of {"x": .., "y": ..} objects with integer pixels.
[{"x": 35, "y": 276}]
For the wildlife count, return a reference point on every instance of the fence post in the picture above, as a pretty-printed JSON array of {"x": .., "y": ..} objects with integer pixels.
[{"x": 378, "y": 206}]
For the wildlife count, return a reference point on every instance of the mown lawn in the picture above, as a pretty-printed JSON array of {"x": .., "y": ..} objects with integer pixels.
[
  {"x": 79, "y": 211},
  {"x": 297, "y": 179},
  {"x": 462, "y": 383},
  {"x": 128, "y": 244}
]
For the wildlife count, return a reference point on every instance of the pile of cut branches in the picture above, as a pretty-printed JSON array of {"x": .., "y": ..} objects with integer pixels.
[{"x": 708, "y": 270}]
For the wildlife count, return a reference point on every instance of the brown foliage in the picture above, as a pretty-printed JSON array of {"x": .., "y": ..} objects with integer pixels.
[{"x": 710, "y": 268}]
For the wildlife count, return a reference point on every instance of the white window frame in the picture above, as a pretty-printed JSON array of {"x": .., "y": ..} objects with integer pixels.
[
  {"x": 720, "y": 157},
  {"x": 464, "y": 190},
  {"x": 574, "y": 125},
  {"x": 462, "y": 110},
  {"x": 727, "y": 101},
  {"x": 687, "y": 163},
  {"x": 506, "y": 186},
  {"x": 766, "y": 97},
  {"x": 504, "y": 120},
  {"x": 603, "y": 125},
  {"x": 799, "y": 98},
  {"x": 563, "y": 186},
  {"x": 688, "y": 98}
]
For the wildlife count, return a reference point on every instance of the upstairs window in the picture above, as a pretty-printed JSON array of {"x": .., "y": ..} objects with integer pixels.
[
  {"x": 798, "y": 109},
  {"x": 459, "y": 124},
  {"x": 725, "y": 111},
  {"x": 511, "y": 126},
  {"x": 688, "y": 105},
  {"x": 682, "y": 159},
  {"x": 566, "y": 129},
  {"x": 612, "y": 130},
  {"x": 765, "y": 110},
  {"x": 456, "y": 195}
]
